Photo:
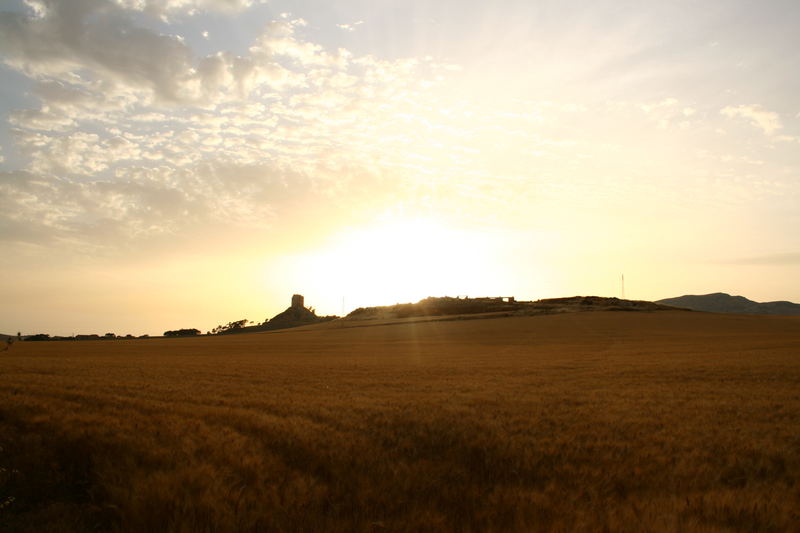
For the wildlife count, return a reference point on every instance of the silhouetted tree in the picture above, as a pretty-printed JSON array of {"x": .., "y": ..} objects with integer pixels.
[
  {"x": 230, "y": 326},
  {"x": 186, "y": 332}
]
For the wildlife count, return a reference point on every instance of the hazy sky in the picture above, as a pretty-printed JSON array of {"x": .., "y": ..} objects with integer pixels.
[{"x": 180, "y": 163}]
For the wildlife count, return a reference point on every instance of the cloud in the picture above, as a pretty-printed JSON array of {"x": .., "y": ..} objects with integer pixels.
[
  {"x": 773, "y": 259},
  {"x": 71, "y": 37},
  {"x": 122, "y": 148},
  {"x": 164, "y": 8},
  {"x": 145, "y": 204},
  {"x": 668, "y": 112},
  {"x": 350, "y": 27},
  {"x": 767, "y": 121},
  {"x": 92, "y": 49}
]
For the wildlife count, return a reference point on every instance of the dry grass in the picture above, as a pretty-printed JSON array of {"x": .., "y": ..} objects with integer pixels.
[{"x": 584, "y": 422}]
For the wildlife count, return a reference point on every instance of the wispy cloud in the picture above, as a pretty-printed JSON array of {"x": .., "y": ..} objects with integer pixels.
[
  {"x": 791, "y": 258},
  {"x": 350, "y": 27}
]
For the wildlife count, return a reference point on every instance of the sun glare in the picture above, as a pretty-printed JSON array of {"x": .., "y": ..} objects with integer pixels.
[{"x": 396, "y": 261}]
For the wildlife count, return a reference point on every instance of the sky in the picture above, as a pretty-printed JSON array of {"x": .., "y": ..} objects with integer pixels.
[{"x": 174, "y": 164}]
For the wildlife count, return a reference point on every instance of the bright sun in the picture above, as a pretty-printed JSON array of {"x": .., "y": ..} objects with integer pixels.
[{"x": 396, "y": 261}]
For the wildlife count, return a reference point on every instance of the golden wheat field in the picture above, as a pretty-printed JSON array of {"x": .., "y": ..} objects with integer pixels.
[{"x": 665, "y": 421}]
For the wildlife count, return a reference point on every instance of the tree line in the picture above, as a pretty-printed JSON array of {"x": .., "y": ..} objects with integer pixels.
[{"x": 230, "y": 327}]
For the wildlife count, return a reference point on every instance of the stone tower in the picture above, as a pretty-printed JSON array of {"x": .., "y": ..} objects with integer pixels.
[{"x": 297, "y": 301}]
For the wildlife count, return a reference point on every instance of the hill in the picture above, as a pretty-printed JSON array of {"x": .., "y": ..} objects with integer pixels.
[
  {"x": 297, "y": 314},
  {"x": 720, "y": 302},
  {"x": 500, "y": 306}
]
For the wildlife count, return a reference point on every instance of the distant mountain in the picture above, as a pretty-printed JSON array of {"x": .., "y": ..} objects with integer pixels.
[{"x": 719, "y": 302}]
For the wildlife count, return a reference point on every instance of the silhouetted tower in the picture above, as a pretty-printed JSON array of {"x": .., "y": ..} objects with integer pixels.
[{"x": 297, "y": 301}]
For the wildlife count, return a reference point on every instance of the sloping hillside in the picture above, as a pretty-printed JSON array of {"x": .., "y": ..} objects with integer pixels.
[
  {"x": 720, "y": 302},
  {"x": 294, "y": 316},
  {"x": 447, "y": 306}
]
